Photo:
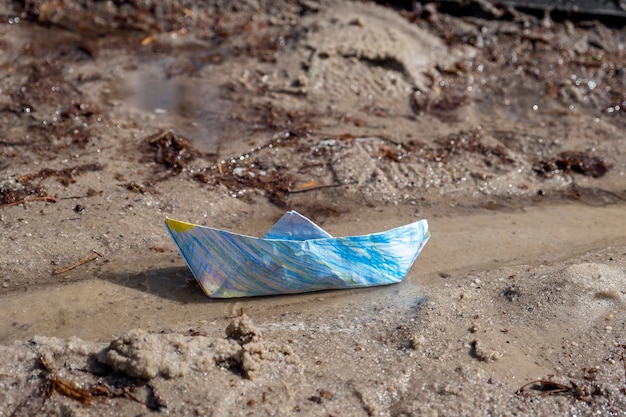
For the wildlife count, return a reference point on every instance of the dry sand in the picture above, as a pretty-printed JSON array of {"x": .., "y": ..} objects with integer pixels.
[{"x": 506, "y": 134}]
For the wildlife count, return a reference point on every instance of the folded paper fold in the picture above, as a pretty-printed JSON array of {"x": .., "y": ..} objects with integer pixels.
[{"x": 295, "y": 256}]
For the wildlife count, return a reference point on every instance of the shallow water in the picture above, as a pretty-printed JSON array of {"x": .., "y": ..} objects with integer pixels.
[
  {"x": 167, "y": 297},
  {"x": 188, "y": 104}
]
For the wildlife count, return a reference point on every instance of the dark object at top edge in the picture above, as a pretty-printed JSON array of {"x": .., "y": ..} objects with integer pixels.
[{"x": 588, "y": 7}]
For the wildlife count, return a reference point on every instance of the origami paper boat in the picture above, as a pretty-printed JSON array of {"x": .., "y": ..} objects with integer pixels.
[{"x": 295, "y": 256}]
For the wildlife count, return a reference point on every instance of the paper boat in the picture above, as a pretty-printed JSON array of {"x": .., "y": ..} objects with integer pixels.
[{"x": 295, "y": 256}]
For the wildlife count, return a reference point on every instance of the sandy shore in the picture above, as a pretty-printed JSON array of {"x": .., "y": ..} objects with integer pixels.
[{"x": 506, "y": 134}]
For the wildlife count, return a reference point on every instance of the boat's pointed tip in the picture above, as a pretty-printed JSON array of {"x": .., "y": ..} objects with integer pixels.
[{"x": 177, "y": 225}]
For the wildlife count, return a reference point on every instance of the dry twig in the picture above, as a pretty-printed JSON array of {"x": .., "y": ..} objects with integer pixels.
[
  {"x": 545, "y": 386},
  {"x": 84, "y": 260},
  {"x": 47, "y": 198}
]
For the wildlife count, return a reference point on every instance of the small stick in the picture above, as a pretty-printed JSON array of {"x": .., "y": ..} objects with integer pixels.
[
  {"x": 159, "y": 136},
  {"x": 310, "y": 186},
  {"x": 86, "y": 259},
  {"x": 48, "y": 198},
  {"x": 546, "y": 387},
  {"x": 126, "y": 393}
]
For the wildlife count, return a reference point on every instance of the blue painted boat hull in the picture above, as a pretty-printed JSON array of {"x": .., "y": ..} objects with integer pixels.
[{"x": 295, "y": 256}]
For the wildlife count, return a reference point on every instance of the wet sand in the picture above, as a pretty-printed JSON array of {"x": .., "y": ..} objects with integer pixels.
[
  {"x": 98, "y": 309},
  {"x": 506, "y": 134}
]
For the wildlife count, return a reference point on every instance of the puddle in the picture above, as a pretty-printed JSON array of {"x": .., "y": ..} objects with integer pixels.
[
  {"x": 167, "y": 297},
  {"x": 185, "y": 104}
]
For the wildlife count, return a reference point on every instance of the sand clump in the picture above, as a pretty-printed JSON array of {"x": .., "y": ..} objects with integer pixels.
[{"x": 140, "y": 354}]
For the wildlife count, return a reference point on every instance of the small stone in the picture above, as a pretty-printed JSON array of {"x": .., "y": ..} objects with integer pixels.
[
  {"x": 482, "y": 354},
  {"x": 418, "y": 341},
  {"x": 357, "y": 21}
]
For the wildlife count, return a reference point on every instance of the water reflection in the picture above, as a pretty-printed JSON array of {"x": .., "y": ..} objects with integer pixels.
[{"x": 180, "y": 103}]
